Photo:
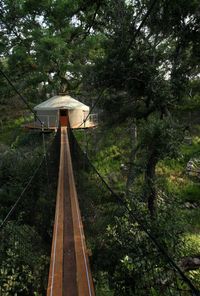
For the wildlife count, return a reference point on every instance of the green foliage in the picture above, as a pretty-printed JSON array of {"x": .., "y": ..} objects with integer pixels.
[
  {"x": 107, "y": 148},
  {"x": 47, "y": 46},
  {"x": 195, "y": 276},
  {"x": 190, "y": 193},
  {"x": 25, "y": 249},
  {"x": 178, "y": 180},
  {"x": 192, "y": 150},
  {"x": 102, "y": 285},
  {"x": 192, "y": 220},
  {"x": 191, "y": 244},
  {"x": 23, "y": 266},
  {"x": 161, "y": 136},
  {"x": 108, "y": 162},
  {"x": 191, "y": 247},
  {"x": 171, "y": 221},
  {"x": 149, "y": 78}
]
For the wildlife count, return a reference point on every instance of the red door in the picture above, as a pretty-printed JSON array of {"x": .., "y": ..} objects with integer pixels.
[{"x": 64, "y": 118}]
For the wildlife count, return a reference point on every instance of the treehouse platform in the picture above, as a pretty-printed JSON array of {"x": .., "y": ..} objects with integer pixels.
[{"x": 62, "y": 110}]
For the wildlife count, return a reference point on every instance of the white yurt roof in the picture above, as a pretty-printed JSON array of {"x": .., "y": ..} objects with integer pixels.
[{"x": 61, "y": 102}]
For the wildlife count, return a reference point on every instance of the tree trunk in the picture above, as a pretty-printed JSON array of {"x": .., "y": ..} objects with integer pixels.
[
  {"x": 134, "y": 148},
  {"x": 150, "y": 183}
]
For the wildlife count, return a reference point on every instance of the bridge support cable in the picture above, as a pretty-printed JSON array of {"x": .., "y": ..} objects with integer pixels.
[
  {"x": 13, "y": 208},
  {"x": 46, "y": 161},
  {"x": 69, "y": 272},
  {"x": 21, "y": 97},
  {"x": 160, "y": 274},
  {"x": 24, "y": 233},
  {"x": 29, "y": 183}
]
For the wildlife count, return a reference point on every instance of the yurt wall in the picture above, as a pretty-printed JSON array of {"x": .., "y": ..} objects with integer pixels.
[{"x": 77, "y": 116}]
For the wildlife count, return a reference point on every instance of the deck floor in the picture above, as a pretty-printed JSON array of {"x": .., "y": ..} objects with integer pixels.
[
  {"x": 35, "y": 126},
  {"x": 70, "y": 273}
]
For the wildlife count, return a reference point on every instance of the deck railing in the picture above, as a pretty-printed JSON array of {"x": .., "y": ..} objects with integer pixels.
[{"x": 93, "y": 118}]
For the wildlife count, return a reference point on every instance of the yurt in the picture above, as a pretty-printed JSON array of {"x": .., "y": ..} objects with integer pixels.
[{"x": 63, "y": 110}]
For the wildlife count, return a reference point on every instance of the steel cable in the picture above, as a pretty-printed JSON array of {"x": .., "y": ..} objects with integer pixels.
[{"x": 141, "y": 224}]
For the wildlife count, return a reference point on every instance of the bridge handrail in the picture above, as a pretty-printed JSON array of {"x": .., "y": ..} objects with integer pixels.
[{"x": 134, "y": 214}]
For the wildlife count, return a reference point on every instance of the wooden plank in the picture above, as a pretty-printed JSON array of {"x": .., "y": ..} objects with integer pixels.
[
  {"x": 56, "y": 266},
  {"x": 69, "y": 258},
  {"x": 84, "y": 278},
  {"x": 69, "y": 273}
]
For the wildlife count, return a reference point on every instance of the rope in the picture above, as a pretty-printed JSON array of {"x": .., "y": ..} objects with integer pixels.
[
  {"x": 22, "y": 98},
  {"x": 21, "y": 195},
  {"x": 92, "y": 108},
  {"x": 140, "y": 26},
  {"x": 142, "y": 226},
  {"x": 122, "y": 55},
  {"x": 46, "y": 162},
  {"x": 28, "y": 185},
  {"x": 44, "y": 150}
]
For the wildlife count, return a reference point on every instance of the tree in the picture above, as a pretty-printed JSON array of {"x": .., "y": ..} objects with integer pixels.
[
  {"x": 45, "y": 46},
  {"x": 146, "y": 75}
]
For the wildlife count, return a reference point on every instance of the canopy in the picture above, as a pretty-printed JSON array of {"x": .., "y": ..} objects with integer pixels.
[{"x": 61, "y": 102}]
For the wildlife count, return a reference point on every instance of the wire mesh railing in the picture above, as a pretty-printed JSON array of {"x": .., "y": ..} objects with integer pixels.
[
  {"x": 127, "y": 257},
  {"x": 93, "y": 118},
  {"x": 26, "y": 231}
]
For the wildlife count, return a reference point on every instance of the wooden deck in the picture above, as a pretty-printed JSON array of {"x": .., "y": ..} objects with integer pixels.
[
  {"x": 69, "y": 273},
  {"x": 34, "y": 126}
]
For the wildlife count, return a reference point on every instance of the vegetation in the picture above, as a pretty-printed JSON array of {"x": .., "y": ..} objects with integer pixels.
[
  {"x": 139, "y": 60},
  {"x": 26, "y": 237}
]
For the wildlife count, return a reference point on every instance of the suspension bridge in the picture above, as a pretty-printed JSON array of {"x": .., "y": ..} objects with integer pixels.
[
  {"x": 66, "y": 167},
  {"x": 156, "y": 272},
  {"x": 69, "y": 271}
]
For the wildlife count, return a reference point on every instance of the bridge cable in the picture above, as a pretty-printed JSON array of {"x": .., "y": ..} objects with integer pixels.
[
  {"x": 35, "y": 114},
  {"x": 159, "y": 246},
  {"x": 27, "y": 186},
  {"x": 21, "y": 195},
  {"x": 46, "y": 162},
  {"x": 149, "y": 11},
  {"x": 140, "y": 26},
  {"x": 142, "y": 226},
  {"x": 21, "y": 97},
  {"x": 95, "y": 104}
]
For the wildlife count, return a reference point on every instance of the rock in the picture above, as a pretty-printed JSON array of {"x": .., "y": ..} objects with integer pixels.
[
  {"x": 193, "y": 167},
  {"x": 188, "y": 140},
  {"x": 3, "y": 148},
  {"x": 190, "y": 205},
  {"x": 190, "y": 263},
  {"x": 123, "y": 167}
]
